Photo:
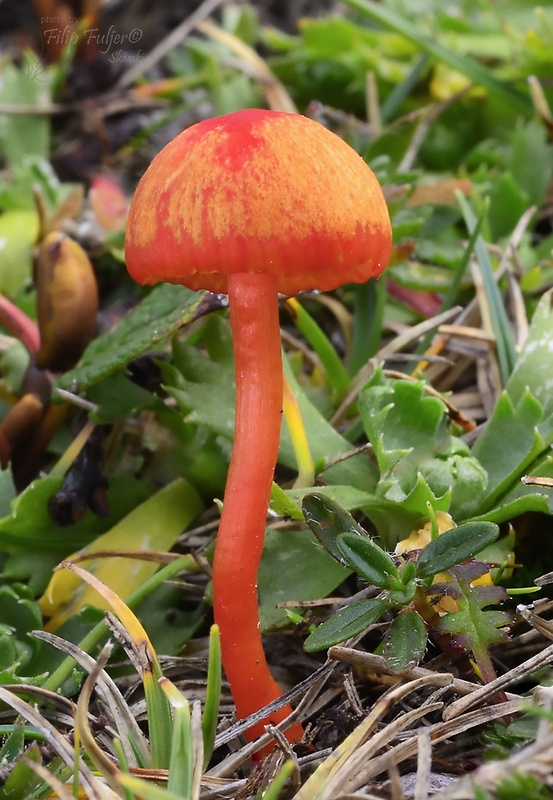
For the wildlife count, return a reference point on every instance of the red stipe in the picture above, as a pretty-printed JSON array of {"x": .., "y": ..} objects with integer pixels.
[
  {"x": 253, "y": 304},
  {"x": 19, "y": 325}
]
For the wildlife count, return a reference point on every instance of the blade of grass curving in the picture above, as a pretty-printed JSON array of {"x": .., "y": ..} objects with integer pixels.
[
  {"x": 133, "y": 740},
  {"x": 474, "y": 71},
  {"x": 321, "y": 344},
  {"x": 83, "y": 731},
  {"x": 100, "y": 632},
  {"x": 506, "y": 352},
  {"x": 159, "y": 713},
  {"x": 402, "y": 90},
  {"x": 212, "y": 695}
]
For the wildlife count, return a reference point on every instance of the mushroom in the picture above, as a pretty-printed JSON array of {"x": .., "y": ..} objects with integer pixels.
[{"x": 251, "y": 204}]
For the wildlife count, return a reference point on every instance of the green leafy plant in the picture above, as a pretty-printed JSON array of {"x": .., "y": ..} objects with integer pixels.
[{"x": 413, "y": 585}]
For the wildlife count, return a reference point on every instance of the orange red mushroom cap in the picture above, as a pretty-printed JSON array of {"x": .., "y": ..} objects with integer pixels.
[{"x": 258, "y": 191}]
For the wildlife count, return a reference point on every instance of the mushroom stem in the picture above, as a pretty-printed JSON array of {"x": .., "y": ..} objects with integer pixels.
[{"x": 253, "y": 301}]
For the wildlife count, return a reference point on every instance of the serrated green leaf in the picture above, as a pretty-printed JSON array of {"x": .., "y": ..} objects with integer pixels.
[
  {"x": 166, "y": 309},
  {"x": 473, "y": 627},
  {"x": 348, "y": 622},
  {"x": 405, "y": 642},
  {"x": 368, "y": 560},
  {"x": 455, "y": 546},
  {"x": 203, "y": 384},
  {"x": 420, "y": 461},
  {"x": 396, "y": 516}
]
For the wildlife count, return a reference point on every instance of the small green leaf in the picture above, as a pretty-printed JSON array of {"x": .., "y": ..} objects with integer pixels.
[
  {"x": 404, "y": 595},
  {"x": 368, "y": 560},
  {"x": 408, "y": 573},
  {"x": 405, "y": 642},
  {"x": 454, "y": 546},
  {"x": 328, "y": 520},
  {"x": 346, "y": 623}
]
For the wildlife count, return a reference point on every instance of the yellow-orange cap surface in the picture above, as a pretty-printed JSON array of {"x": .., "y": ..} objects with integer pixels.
[{"x": 258, "y": 191}]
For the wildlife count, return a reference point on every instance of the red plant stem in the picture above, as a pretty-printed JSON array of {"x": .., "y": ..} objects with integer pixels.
[
  {"x": 253, "y": 301},
  {"x": 19, "y": 325}
]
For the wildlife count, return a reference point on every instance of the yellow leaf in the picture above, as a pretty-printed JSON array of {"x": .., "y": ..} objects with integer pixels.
[{"x": 153, "y": 525}]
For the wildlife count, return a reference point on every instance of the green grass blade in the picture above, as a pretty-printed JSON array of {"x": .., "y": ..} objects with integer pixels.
[
  {"x": 473, "y": 70},
  {"x": 181, "y": 763},
  {"x": 123, "y": 765},
  {"x": 401, "y": 91},
  {"x": 272, "y": 792},
  {"x": 319, "y": 341},
  {"x": 160, "y": 723},
  {"x": 213, "y": 694},
  {"x": 506, "y": 352},
  {"x": 369, "y": 300}
]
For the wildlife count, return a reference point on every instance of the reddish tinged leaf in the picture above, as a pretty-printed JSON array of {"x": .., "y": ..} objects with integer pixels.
[
  {"x": 19, "y": 325},
  {"x": 427, "y": 304},
  {"x": 108, "y": 203}
]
